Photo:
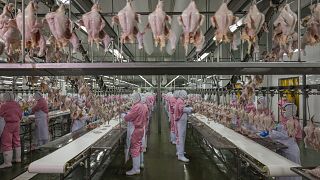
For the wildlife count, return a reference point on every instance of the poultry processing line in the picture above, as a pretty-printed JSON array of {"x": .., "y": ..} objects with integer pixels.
[{"x": 251, "y": 152}]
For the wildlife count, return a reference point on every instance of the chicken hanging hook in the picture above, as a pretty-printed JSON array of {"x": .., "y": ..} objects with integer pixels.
[{"x": 254, "y": 2}]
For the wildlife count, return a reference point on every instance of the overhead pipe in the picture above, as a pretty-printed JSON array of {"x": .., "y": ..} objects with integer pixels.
[{"x": 180, "y": 5}]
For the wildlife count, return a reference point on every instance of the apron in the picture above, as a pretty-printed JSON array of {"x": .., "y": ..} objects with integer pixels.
[
  {"x": 130, "y": 129},
  {"x": 144, "y": 140},
  {"x": 42, "y": 128},
  {"x": 2, "y": 124}
]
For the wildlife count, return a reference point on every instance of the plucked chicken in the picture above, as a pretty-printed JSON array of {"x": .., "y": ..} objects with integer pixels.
[
  {"x": 128, "y": 20},
  {"x": 253, "y": 22},
  {"x": 284, "y": 34},
  {"x": 158, "y": 22},
  {"x": 221, "y": 21},
  {"x": 94, "y": 24},
  {"x": 9, "y": 34},
  {"x": 191, "y": 21},
  {"x": 35, "y": 41},
  {"x": 61, "y": 28}
]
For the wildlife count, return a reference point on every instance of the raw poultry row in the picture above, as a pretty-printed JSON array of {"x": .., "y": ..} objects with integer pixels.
[
  {"x": 248, "y": 121},
  {"x": 63, "y": 32},
  {"x": 103, "y": 108}
]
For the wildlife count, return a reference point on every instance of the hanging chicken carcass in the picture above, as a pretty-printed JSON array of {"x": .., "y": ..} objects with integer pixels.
[
  {"x": 158, "y": 22},
  {"x": 284, "y": 34},
  {"x": 253, "y": 22},
  {"x": 61, "y": 28},
  {"x": 191, "y": 21},
  {"x": 9, "y": 34},
  {"x": 312, "y": 23},
  {"x": 221, "y": 21},
  {"x": 94, "y": 24},
  {"x": 35, "y": 41},
  {"x": 128, "y": 20}
]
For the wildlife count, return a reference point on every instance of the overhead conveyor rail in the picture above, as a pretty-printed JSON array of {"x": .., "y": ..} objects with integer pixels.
[
  {"x": 160, "y": 68},
  {"x": 270, "y": 164}
]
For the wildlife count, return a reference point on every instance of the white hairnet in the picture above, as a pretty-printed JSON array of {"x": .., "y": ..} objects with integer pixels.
[
  {"x": 143, "y": 98},
  {"x": 176, "y": 93},
  {"x": 135, "y": 97},
  {"x": 37, "y": 95},
  {"x": 262, "y": 103},
  {"x": 290, "y": 110},
  {"x": 8, "y": 96},
  {"x": 183, "y": 94}
]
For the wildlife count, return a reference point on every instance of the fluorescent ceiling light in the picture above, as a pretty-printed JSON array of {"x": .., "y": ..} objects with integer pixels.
[
  {"x": 172, "y": 81},
  {"x": 116, "y": 53},
  {"x": 64, "y": 1},
  {"x": 204, "y": 55},
  {"x": 235, "y": 26},
  {"x": 145, "y": 80}
]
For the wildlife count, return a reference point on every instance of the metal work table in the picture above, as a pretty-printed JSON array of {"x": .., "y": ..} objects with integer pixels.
[
  {"x": 59, "y": 125},
  {"x": 252, "y": 154},
  {"x": 219, "y": 148},
  {"x": 302, "y": 172}
]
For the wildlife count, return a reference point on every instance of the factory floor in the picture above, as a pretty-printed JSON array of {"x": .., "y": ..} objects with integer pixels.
[{"x": 161, "y": 162}]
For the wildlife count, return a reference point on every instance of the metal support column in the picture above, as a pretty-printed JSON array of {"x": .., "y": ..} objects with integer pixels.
[
  {"x": 159, "y": 102},
  {"x": 304, "y": 100},
  {"x": 299, "y": 30},
  {"x": 23, "y": 31}
]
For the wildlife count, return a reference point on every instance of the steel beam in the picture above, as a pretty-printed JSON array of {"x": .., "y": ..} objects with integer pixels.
[{"x": 160, "y": 68}]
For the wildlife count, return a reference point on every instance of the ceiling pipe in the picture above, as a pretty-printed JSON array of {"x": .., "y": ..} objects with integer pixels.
[{"x": 179, "y": 6}]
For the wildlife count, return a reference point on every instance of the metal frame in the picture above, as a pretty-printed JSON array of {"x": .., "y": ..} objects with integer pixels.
[{"x": 161, "y": 68}]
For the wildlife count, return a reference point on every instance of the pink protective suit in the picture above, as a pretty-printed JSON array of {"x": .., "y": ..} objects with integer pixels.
[
  {"x": 178, "y": 111},
  {"x": 12, "y": 114},
  {"x": 172, "y": 102},
  {"x": 138, "y": 116}
]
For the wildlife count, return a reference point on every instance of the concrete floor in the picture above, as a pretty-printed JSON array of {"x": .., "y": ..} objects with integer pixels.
[{"x": 161, "y": 162}]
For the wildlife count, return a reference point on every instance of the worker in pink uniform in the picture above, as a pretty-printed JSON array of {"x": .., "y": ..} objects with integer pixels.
[
  {"x": 181, "y": 112},
  {"x": 172, "y": 103},
  {"x": 40, "y": 111},
  {"x": 10, "y": 139},
  {"x": 137, "y": 115},
  {"x": 145, "y": 125}
]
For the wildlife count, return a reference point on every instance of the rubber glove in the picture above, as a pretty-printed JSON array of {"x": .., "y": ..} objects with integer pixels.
[
  {"x": 264, "y": 134},
  {"x": 123, "y": 115}
]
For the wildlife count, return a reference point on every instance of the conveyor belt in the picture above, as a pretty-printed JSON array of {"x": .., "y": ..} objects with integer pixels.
[
  {"x": 274, "y": 164},
  {"x": 57, "y": 161},
  {"x": 302, "y": 172},
  {"x": 215, "y": 139}
]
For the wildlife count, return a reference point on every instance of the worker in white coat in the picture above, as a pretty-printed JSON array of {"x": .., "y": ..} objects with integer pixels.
[
  {"x": 280, "y": 134},
  {"x": 181, "y": 117}
]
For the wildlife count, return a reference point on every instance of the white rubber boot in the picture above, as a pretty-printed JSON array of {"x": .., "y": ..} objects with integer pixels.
[
  {"x": 7, "y": 157},
  {"x": 17, "y": 158},
  {"x": 141, "y": 160},
  {"x": 183, "y": 159},
  {"x": 135, "y": 167}
]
